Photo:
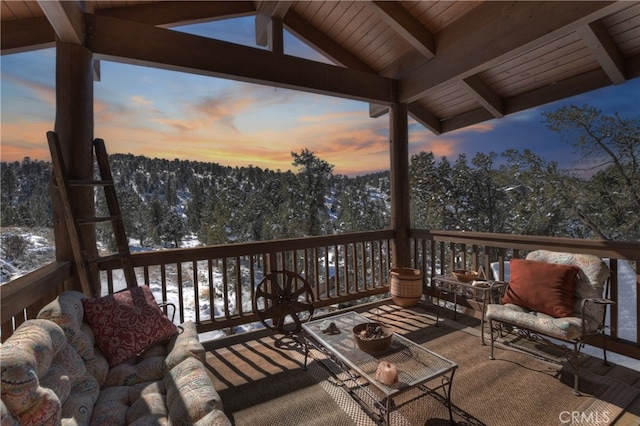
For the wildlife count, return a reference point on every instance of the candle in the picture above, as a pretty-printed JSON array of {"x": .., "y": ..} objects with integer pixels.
[{"x": 387, "y": 373}]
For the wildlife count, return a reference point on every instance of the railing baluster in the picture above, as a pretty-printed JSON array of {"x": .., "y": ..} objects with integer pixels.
[
  {"x": 180, "y": 290},
  {"x": 613, "y": 292},
  {"x": 225, "y": 289},
  {"x": 238, "y": 286},
  {"x": 196, "y": 292}
]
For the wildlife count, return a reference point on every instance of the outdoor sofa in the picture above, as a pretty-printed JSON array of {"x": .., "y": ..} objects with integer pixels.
[{"x": 116, "y": 360}]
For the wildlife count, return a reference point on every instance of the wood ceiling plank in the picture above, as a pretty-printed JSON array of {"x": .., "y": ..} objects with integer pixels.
[
  {"x": 20, "y": 10},
  {"x": 183, "y": 52},
  {"x": 327, "y": 14},
  {"x": 7, "y": 13},
  {"x": 363, "y": 21},
  {"x": 496, "y": 32},
  {"x": 311, "y": 12},
  {"x": 342, "y": 15},
  {"x": 548, "y": 52},
  {"x": 550, "y": 56},
  {"x": 546, "y": 73},
  {"x": 387, "y": 40}
]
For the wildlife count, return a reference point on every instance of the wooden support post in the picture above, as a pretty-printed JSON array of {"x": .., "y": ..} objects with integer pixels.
[
  {"x": 74, "y": 126},
  {"x": 400, "y": 218}
]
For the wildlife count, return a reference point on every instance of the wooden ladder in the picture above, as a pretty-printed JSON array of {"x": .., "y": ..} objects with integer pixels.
[{"x": 84, "y": 263}]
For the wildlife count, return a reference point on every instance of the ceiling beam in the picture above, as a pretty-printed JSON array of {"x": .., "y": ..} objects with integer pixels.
[
  {"x": 605, "y": 50},
  {"x": 494, "y": 33},
  {"x": 66, "y": 19},
  {"x": 24, "y": 35},
  {"x": 408, "y": 27},
  {"x": 324, "y": 45},
  {"x": 269, "y": 23},
  {"x": 173, "y": 13},
  {"x": 484, "y": 95},
  {"x": 111, "y": 39},
  {"x": 564, "y": 89},
  {"x": 424, "y": 117}
]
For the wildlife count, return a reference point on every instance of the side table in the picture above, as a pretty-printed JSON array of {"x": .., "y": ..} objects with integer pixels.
[{"x": 482, "y": 291}]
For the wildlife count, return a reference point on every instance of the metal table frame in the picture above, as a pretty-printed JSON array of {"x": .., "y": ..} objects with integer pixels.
[
  {"x": 483, "y": 294},
  {"x": 417, "y": 366}
]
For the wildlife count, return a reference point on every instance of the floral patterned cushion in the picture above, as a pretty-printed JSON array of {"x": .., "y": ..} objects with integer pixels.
[
  {"x": 127, "y": 323},
  {"x": 566, "y": 328},
  {"x": 40, "y": 372},
  {"x": 68, "y": 312}
]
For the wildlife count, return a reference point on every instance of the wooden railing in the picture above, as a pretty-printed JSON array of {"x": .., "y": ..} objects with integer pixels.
[
  {"x": 214, "y": 285},
  {"x": 438, "y": 252}
]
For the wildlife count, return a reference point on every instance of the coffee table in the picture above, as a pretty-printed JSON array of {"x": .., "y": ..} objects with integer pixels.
[{"x": 417, "y": 366}]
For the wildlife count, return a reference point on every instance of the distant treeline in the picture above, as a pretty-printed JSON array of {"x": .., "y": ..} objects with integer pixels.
[{"x": 512, "y": 192}]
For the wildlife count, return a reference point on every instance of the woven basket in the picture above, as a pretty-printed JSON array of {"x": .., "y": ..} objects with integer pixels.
[{"x": 406, "y": 286}]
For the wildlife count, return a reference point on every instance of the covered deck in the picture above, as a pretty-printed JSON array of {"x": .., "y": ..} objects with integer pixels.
[
  {"x": 261, "y": 378},
  {"x": 446, "y": 64}
]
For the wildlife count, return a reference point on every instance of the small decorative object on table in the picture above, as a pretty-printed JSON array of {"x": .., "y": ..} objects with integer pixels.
[
  {"x": 464, "y": 275},
  {"x": 329, "y": 327},
  {"x": 372, "y": 336},
  {"x": 387, "y": 373}
]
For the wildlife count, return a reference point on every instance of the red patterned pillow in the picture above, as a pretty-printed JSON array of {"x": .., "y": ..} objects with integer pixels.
[
  {"x": 543, "y": 287},
  {"x": 127, "y": 323}
]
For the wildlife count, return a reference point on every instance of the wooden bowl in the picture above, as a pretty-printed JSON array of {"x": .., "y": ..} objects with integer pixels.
[
  {"x": 370, "y": 341},
  {"x": 465, "y": 275}
]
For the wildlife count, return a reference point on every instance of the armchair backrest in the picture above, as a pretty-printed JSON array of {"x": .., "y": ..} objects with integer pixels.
[{"x": 590, "y": 281}]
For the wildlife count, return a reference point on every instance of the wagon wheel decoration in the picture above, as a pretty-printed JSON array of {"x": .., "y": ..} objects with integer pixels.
[{"x": 283, "y": 294}]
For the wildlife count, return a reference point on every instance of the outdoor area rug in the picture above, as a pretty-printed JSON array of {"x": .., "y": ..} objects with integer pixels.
[{"x": 261, "y": 382}]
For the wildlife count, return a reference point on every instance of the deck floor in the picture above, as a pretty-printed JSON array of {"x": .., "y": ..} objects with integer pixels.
[{"x": 265, "y": 371}]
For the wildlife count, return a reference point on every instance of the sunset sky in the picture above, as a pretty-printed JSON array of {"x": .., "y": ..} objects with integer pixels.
[{"x": 156, "y": 113}]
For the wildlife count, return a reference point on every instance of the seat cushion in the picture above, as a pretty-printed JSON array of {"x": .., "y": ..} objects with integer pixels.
[
  {"x": 542, "y": 287},
  {"x": 566, "y": 328}
]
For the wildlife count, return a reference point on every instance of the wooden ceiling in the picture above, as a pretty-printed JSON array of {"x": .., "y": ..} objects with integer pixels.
[{"x": 455, "y": 63}]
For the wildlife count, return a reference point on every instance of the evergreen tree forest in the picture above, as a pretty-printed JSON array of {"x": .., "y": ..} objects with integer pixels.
[{"x": 511, "y": 192}]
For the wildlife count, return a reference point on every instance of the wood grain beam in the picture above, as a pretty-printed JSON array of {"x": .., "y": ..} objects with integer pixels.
[
  {"x": 267, "y": 11},
  {"x": 494, "y": 33},
  {"x": 110, "y": 38},
  {"x": 317, "y": 40},
  {"x": 25, "y": 35},
  {"x": 425, "y": 117},
  {"x": 172, "y": 13},
  {"x": 66, "y": 18},
  {"x": 602, "y": 46},
  {"x": 408, "y": 27},
  {"x": 483, "y": 94},
  {"x": 573, "y": 86}
]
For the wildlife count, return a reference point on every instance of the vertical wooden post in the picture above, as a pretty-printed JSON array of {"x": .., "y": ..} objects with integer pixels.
[
  {"x": 74, "y": 126},
  {"x": 400, "y": 218}
]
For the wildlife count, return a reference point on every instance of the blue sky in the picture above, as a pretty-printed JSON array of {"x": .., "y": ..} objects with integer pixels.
[{"x": 157, "y": 113}]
